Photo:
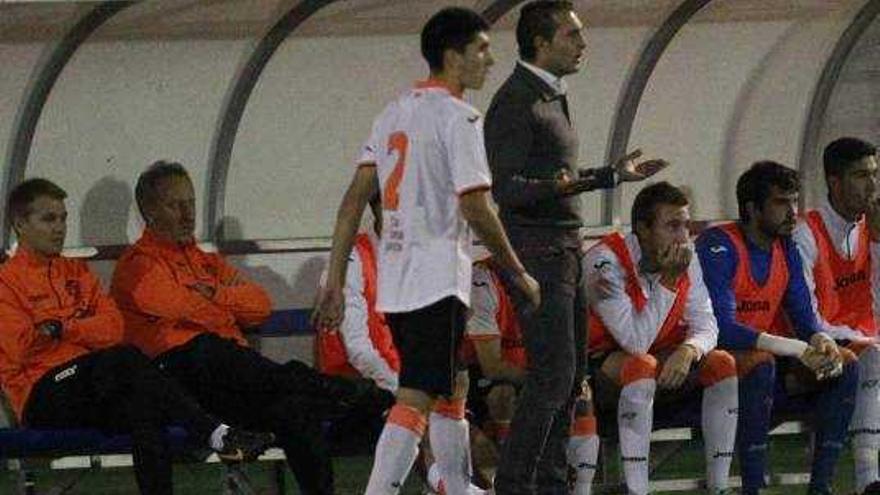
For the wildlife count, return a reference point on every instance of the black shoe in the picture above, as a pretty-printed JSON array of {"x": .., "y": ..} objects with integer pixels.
[
  {"x": 310, "y": 382},
  {"x": 872, "y": 489},
  {"x": 244, "y": 446}
]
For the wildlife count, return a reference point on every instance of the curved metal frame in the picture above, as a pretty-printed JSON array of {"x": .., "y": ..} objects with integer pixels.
[
  {"x": 827, "y": 80},
  {"x": 633, "y": 91},
  {"x": 235, "y": 104},
  {"x": 498, "y": 9},
  {"x": 39, "y": 94},
  {"x": 237, "y": 101}
]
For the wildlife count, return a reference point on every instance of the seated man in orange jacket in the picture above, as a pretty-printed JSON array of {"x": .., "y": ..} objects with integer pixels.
[
  {"x": 61, "y": 365},
  {"x": 185, "y": 308}
]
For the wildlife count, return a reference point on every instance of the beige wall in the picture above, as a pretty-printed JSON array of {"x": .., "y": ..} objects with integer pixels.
[{"x": 724, "y": 95}]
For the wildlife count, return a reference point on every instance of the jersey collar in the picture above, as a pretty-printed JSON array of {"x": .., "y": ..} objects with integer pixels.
[{"x": 432, "y": 83}]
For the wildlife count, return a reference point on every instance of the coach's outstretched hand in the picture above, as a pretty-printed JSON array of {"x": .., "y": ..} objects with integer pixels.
[
  {"x": 629, "y": 170},
  {"x": 329, "y": 308}
]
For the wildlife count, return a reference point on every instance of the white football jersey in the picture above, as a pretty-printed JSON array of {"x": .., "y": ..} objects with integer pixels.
[{"x": 428, "y": 149}]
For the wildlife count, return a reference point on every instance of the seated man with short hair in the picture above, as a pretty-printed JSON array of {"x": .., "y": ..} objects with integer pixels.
[
  {"x": 185, "y": 309},
  {"x": 754, "y": 275},
  {"x": 362, "y": 345},
  {"x": 651, "y": 325},
  {"x": 839, "y": 244},
  {"x": 61, "y": 362},
  {"x": 496, "y": 355}
]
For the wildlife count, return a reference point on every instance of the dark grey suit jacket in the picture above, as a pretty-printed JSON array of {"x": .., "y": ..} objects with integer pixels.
[{"x": 530, "y": 140}]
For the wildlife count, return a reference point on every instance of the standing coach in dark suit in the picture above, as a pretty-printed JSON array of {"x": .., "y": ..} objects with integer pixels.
[{"x": 533, "y": 149}]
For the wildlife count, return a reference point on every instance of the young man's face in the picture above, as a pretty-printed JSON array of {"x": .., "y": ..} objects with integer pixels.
[
  {"x": 564, "y": 53},
  {"x": 474, "y": 63},
  {"x": 778, "y": 215},
  {"x": 670, "y": 226},
  {"x": 856, "y": 188},
  {"x": 172, "y": 213},
  {"x": 44, "y": 228}
]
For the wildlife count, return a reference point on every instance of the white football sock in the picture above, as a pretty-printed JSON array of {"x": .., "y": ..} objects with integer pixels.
[
  {"x": 396, "y": 450},
  {"x": 865, "y": 424},
  {"x": 582, "y": 452},
  {"x": 719, "y": 418},
  {"x": 635, "y": 415},
  {"x": 450, "y": 443}
]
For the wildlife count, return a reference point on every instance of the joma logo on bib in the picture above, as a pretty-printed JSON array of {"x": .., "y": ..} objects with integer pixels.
[{"x": 67, "y": 373}]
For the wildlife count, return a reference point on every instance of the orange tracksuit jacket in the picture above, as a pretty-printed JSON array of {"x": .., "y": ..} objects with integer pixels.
[
  {"x": 153, "y": 286},
  {"x": 34, "y": 289}
]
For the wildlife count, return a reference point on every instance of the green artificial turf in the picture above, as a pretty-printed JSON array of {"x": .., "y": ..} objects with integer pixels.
[{"x": 788, "y": 454}]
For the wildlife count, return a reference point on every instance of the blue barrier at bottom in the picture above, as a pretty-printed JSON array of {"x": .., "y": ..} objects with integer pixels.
[{"x": 26, "y": 442}]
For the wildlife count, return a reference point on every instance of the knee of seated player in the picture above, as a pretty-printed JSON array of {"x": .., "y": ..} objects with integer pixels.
[
  {"x": 848, "y": 356},
  {"x": 869, "y": 358},
  {"x": 454, "y": 406},
  {"x": 415, "y": 399},
  {"x": 501, "y": 402},
  {"x": 748, "y": 361},
  {"x": 635, "y": 367},
  {"x": 859, "y": 347},
  {"x": 715, "y": 367}
]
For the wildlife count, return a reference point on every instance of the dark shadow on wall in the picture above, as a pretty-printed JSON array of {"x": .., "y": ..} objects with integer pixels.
[
  {"x": 295, "y": 289},
  {"x": 288, "y": 289},
  {"x": 104, "y": 213}
]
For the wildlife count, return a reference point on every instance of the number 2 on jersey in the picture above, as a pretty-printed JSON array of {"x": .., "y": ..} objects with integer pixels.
[{"x": 391, "y": 197}]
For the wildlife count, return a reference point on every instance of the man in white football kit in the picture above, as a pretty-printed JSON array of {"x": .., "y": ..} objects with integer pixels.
[
  {"x": 652, "y": 325},
  {"x": 426, "y": 156}
]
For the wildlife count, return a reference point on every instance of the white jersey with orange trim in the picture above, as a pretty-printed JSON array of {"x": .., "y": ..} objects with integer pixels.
[
  {"x": 428, "y": 149},
  {"x": 485, "y": 299},
  {"x": 635, "y": 331}
]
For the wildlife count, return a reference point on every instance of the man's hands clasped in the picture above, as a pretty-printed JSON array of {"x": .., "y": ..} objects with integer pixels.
[{"x": 823, "y": 357}]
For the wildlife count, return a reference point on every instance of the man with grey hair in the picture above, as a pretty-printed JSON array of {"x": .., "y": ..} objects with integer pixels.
[{"x": 186, "y": 308}]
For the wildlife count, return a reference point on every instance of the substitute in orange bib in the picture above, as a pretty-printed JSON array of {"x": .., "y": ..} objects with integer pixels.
[
  {"x": 186, "y": 309},
  {"x": 62, "y": 364},
  {"x": 838, "y": 243},
  {"x": 362, "y": 345},
  {"x": 755, "y": 278},
  {"x": 651, "y": 325},
  {"x": 497, "y": 360}
]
